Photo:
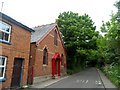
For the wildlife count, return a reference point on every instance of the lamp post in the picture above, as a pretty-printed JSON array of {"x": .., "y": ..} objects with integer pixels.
[{"x": 2, "y": 6}]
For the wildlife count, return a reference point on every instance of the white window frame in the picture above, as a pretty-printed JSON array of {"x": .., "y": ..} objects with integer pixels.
[
  {"x": 3, "y": 66},
  {"x": 6, "y": 31}
]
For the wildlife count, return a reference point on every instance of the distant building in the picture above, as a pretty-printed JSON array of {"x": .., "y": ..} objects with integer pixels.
[
  {"x": 47, "y": 56},
  {"x": 14, "y": 52}
]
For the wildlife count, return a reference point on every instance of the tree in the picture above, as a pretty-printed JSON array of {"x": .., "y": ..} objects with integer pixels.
[
  {"x": 79, "y": 37},
  {"x": 109, "y": 45},
  {"x": 112, "y": 28},
  {"x": 117, "y": 4}
]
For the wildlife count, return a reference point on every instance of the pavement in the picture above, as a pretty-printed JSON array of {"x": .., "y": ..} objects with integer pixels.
[
  {"x": 106, "y": 82},
  {"x": 76, "y": 78},
  {"x": 47, "y": 82}
]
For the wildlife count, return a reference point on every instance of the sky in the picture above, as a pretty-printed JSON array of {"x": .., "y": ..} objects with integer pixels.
[{"x": 40, "y": 12}]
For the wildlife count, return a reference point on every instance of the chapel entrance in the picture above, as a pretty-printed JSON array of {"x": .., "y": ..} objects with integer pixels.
[
  {"x": 56, "y": 64},
  {"x": 56, "y": 67}
]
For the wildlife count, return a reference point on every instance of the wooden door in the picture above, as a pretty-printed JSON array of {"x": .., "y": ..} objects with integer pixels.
[{"x": 17, "y": 72}]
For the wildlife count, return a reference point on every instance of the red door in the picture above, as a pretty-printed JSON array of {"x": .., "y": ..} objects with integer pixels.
[{"x": 56, "y": 64}]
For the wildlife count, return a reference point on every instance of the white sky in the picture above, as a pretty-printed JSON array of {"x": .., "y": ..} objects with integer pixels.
[{"x": 38, "y": 12}]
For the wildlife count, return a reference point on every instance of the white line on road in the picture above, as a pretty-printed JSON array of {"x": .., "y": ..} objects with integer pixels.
[
  {"x": 83, "y": 81},
  {"x": 86, "y": 81},
  {"x": 96, "y": 82},
  {"x": 99, "y": 83}
]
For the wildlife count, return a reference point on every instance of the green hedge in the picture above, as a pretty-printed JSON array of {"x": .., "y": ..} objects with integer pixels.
[{"x": 113, "y": 73}]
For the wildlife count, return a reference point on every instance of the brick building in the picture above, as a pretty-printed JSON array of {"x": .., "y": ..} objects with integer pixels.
[
  {"x": 14, "y": 52},
  {"x": 48, "y": 57}
]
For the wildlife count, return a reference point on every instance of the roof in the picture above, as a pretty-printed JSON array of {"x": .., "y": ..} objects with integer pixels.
[
  {"x": 15, "y": 22},
  {"x": 41, "y": 31}
]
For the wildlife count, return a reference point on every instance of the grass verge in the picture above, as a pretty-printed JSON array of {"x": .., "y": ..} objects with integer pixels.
[{"x": 113, "y": 73}]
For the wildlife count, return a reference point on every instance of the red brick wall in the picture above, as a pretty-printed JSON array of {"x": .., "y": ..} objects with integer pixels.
[
  {"x": 19, "y": 48},
  {"x": 48, "y": 42}
]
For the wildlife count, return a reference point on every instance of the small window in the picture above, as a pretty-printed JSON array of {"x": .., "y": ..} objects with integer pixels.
[
  {"x": 62, "y": 59},
  {"x": 45, "y": 56},
  {"x": 2, "y": 66},
  {"x": 55, "y": 38},
  {"x": 5, "y": 30}
]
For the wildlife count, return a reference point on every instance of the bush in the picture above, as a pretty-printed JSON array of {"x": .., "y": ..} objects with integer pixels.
[
  {"x": 75, "y": 70},
  {"x": 112, "y": 72},
  {"x": 70, "y": 72}
]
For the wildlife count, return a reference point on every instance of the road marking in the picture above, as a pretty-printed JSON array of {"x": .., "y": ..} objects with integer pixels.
[
  {"x": 96, "y": 82},
  {"x": 87, "y": 81},
  {"x": 83, "y": 81},
  {"x": 99, "y": 83}
]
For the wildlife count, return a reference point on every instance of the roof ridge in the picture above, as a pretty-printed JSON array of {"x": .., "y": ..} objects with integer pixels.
[
  {"x": 10, "y": 19},
  {"x": 40, "y": 32},
  {"x": 43, "y": 25}
]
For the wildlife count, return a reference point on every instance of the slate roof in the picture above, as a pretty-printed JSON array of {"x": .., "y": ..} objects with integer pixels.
[
  {"x": 3, "y": 16},
  {"x": 41, "y": 31}
]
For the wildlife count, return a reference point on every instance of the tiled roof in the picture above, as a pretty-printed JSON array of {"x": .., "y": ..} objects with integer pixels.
[
  {"x": 41, "y": 31},
  {"x": 3, "y": 16}
]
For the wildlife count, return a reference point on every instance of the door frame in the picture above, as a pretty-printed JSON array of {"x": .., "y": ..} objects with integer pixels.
[
  {"x": 21, "y": 71},
  {"x": 56, "y": 58}
]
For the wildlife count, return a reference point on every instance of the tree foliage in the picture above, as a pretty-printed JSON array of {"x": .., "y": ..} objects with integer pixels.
[
  {"x": 109, "y": 47},
  {"x": 112, "y": 38},
  {"x": 85, "y": 46},
  {"x": 79, "y": 37}
]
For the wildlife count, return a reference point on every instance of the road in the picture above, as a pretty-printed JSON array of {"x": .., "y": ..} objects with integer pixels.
[{"x": 88, "y": 78}]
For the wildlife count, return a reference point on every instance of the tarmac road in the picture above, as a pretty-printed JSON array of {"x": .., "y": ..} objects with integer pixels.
[{"x": 88, "y": 78}]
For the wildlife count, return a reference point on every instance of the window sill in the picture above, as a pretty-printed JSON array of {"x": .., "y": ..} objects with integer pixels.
[
  {"x": 5, "y": 42},
  {"x": 62, "y": 66},
  {"x": 2, "y": 79},
  {"x": 56, "y": 45},
  {"x": 44, "y": 65}
]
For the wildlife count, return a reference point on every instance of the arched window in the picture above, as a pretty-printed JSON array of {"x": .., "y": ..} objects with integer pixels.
[
  {"x": 62, "y": 59},
  {"x": 45, "y": 56},
  {"x": 55, "y": 38}
]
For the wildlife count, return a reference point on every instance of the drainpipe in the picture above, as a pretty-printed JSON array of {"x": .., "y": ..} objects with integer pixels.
[{"x": 53, "y": 68}]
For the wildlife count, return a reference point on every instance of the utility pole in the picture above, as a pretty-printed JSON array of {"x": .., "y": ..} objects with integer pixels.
[
  {"x": 2, "y": 6},
  {"x": 1, "y": 10}
]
